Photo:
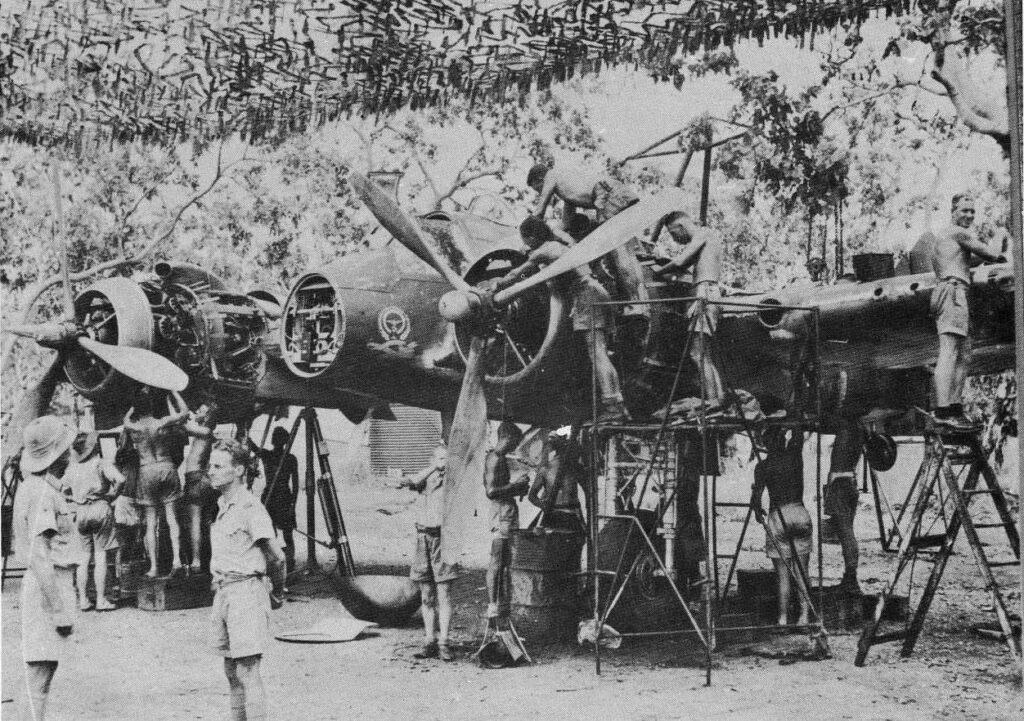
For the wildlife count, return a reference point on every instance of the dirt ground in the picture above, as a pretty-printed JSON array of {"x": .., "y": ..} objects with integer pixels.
[{"x": 133, "y": 664}]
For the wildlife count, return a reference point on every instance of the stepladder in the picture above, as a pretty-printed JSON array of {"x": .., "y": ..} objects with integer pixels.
[{"x": 955, "y": 488}]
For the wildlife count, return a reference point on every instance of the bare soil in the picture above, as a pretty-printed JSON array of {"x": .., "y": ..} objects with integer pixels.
[{"x": 133, "y": 664}]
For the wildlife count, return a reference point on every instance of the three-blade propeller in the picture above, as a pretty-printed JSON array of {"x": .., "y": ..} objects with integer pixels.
[{"x": 465, "y": 304}]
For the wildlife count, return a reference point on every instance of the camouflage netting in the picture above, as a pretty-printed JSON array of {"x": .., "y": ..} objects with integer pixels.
[{"x": 74, "y": 71}]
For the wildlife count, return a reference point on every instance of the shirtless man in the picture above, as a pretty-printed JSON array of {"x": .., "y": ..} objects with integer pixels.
[
  {"x": 158, "y": 473},
  {"x": 951, "y": 255},
  {"x": 546, "y": 246},
  {"x": 579, "y": 189},
  {"x": 702, "y": 250},
  {"x": 199, "y": 494},
  {"x": 554, "y": 488},
  {"x": 502, "y": 493}
]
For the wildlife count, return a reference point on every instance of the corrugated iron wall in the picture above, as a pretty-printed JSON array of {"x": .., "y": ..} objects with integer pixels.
[{"x": 405, "y": 443}]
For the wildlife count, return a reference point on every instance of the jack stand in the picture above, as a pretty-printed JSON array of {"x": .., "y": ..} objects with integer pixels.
[{"x": 322, "y": 486}]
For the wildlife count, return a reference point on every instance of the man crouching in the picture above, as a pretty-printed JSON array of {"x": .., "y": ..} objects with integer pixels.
[{"x": 244, "y": 554}]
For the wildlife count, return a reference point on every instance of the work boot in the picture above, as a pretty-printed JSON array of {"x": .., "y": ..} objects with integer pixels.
[
  {"x": 444, "y": 653},
  {"x": 429, "y": 650}
]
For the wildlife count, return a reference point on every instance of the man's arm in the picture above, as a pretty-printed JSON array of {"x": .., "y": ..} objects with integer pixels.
[
  {"x": 685, "y": 259},
  {"x": 293, "y": 477},
  {"x": 275, "y": 569},
  {"x": 493, "y": 490},
  {"x": 42, "y": 568},
  {"x": 418, "y": 481},
  {"x": 177, "y": 410},
  {"x": 114, "y": 477},
  {"x": 970, "y": 243},
  {"x": 534, "y": 493},
  {"x": 757, "y": 490},
  {"x": 546, "y": 193},
  {"x": 528, "y": 267}
]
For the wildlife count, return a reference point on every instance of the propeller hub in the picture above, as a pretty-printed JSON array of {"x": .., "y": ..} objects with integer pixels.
[{"x": 458, "y": 306}]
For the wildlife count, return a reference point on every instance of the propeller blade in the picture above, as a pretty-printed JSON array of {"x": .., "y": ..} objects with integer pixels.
[
  {"x": 629, "y": 224},
  {"x": 139, "y": 364},
  {"x": 50, "y": 335},
  {"x": 466, "y": 451},
  {"x": 33, "y": 404},
  {"x": 402, "y": 227}
]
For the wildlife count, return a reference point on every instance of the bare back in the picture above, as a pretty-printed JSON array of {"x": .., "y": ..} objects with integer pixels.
[
  {"x": 153, "y": 439},
  {"x": 574, "y": 185}
]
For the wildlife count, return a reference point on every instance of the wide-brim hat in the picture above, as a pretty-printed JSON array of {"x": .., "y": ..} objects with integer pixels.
[{"x": 45, "y": 440}]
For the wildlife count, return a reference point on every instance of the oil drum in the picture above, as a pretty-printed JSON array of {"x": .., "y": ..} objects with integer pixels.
[{"x": 543, "y": 572}]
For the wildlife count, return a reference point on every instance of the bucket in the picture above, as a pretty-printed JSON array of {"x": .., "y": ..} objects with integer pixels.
[{"x": 544, "y": 586}]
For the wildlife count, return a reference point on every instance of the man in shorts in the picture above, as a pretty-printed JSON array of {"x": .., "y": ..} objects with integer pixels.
[
  {"x": 702, "y": 251},
  {"x": 248, "y": 573},
  {"x": 44, "y": 530},
  {"x": 158, "y": 486},
  {"x": 92, "y": 480},
  {"x": 547, "y": 245},
  {"x": 198, "y": 493},
  {"x": 841, "y": 497},
  {"x": 555, "y": 487},
  {"x": 281, "y": 471},
  {"x": 502, "y": 492},
  {"x": 580, "y": 189},
  {"x": 788, "y": 529},
  {"x": 433, "y": 575},
  {"x": 951, "y": 256}
]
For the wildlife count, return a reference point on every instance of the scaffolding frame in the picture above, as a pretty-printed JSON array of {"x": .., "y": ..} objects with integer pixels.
[{"x": 714, "y": 594}]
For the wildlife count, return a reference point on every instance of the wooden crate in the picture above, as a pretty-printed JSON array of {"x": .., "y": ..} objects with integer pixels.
[{"x": 175, "y": 593}]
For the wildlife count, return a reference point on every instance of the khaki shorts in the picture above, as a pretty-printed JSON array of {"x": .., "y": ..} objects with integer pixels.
[
  {"x": 585, "y": 315},
  {"x": 797, "y": 528},
  {"x": 241, "y": 618},
  {"x": 39, "y": 638},
  {"x": 427, "y": 565},
  {"x": 950, "y": 307},
  {"x": 841, "y": 497},
  {"x": 158, "y": 484}
]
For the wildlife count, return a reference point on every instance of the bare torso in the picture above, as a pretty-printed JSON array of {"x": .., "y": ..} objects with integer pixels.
[
  {"x": 708, "y": 267},
  {"x": 949, "y": 258},
  {"x": 153, "y": 440}
]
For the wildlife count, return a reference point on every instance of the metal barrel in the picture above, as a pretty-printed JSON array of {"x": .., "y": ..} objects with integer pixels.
[{"x": 544, "y": 584}]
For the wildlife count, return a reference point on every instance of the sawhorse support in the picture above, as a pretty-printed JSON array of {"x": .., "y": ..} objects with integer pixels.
[{"x": 948, "y": 456}]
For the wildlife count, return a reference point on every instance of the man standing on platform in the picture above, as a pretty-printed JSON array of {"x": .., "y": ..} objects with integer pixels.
[
  {"x": 702, "y": 250},
  {"x": 245, "y": 555},
  {"x": 44, "y": 530},
  {"x": 951, "y": 255}
]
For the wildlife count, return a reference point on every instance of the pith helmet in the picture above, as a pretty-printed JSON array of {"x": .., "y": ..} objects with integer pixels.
[{"x": 46, "y": 438}]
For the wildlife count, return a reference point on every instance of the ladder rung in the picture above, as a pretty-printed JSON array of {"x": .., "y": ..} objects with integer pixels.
[
  {"x": 989, "y": 525},
  {"x": 729, "y": 504},
  {"x": 891, "y": 636},
  {"x": 1001, "y": 564},
  {"x": 931, "y": 539}
]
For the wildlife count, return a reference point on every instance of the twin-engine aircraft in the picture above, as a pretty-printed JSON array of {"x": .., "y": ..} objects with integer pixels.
[{"x": 390, "y": 326}]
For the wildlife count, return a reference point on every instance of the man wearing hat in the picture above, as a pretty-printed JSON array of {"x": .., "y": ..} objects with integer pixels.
[{"x": 43, "y": 527}]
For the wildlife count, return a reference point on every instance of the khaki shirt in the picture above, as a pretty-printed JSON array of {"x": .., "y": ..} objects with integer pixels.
[
  {"x": 41, "y": 509},
  {"x": 241, "y": 523},
  {"x": 430, "y": 504}
]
